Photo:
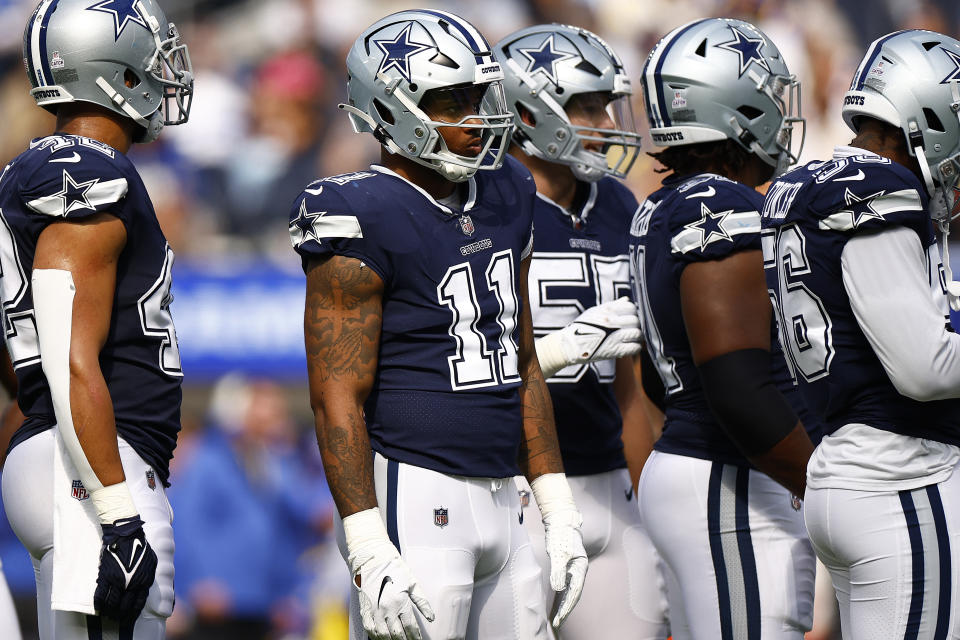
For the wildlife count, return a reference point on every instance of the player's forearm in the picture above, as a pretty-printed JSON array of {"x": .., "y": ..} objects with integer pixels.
[
  {"x": 347, "y": 457},
  {"x": 93, "y": 420},
  {"x": 786, "y": 461},
  {"x": 539, "y": 448}
]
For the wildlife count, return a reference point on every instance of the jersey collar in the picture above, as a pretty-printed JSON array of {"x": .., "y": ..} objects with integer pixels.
[
  {"x": 471, "y": 191},
  {"x": 846, "y": 151},
  {"x": 584, "y": 211}
]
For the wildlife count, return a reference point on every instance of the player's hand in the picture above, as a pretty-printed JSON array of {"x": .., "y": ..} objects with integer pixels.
[
  {"x": 385, "y": 586},
  {"x": 609, "y": 330},
  {"x": 568, "y": 559},
  {"x": 127, "y": 569}
]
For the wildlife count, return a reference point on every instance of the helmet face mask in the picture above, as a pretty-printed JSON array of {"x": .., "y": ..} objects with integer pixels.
[
  {"x": 412, "y": 55},
  {"x": 556, "y": 75},
  {"x": 127, "y": 59},
  {"x": 721, "y": 78}
]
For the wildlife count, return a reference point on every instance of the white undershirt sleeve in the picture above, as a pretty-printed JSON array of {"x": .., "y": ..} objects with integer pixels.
[{"x": 887, "y": 278}]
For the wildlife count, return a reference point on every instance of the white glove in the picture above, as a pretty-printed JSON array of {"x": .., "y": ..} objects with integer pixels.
[
  {"x": 609, "y": 330},
  {"x": 386, "y": 586},
  {"x": 561, "y": 524}
]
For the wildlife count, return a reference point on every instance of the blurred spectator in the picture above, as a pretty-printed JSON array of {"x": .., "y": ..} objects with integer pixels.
[{"x": 249, "y": 505}]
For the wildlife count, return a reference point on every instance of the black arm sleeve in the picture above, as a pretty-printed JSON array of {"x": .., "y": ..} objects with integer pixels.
[
  {"x": 650, "y": 379},
  {"x": 751, "y": 410}
]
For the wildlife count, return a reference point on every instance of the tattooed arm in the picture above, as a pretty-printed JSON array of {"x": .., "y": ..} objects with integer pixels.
[
  {"x": 341, "y": 327},
  {"x": 539, "y": 449}
]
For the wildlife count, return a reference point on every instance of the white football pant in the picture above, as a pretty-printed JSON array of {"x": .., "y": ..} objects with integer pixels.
[
  {"x": 894, "y": 557},
  {"x": 9, "y": 625},
  {"x": 465, "y": 546},
  {"x": 28, "y": 500},
  {"x": 625, "y": 586},
  {"x": 739, "y": 565}
]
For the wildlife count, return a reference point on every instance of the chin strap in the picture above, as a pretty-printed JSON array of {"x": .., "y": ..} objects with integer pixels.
[{"x": 940, "y": 212}]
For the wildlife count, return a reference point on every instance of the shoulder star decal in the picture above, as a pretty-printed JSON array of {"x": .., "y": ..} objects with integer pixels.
[
  {"x": 710, "y": 226},
  {"x": 301, "y": 227},
  {"x": 747, "y": 48},
  {"x": 955, "y": 59},
  {"x": 74, "y": 194},
  {"x": 397, "y": 52},
  {"x": 857, "y": 217},
  {"x": 544, "y": 59},
  {"x": 123, "y": 13}
]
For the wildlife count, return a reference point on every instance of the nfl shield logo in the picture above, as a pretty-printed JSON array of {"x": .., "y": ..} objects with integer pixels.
[
  {"x": 524, "y": 498},
  {"x": 77, "y": 491},
  {"x": 466, "y": 225},
  {"x": 151, "y": 480},
  {"x": 795, "y": 503},
  {"x": 440, "y": 517}
]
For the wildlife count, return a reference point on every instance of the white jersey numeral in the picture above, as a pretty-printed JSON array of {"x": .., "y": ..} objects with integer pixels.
[
  {"x": 474, "y": 364},
  {"x": 806, "y": 331},
  {"x": 666, "y": 365},
  {"x": 19, "y": 326},
  {"x": 611, "y": 277},
  {"x": 156, "y": 321}
]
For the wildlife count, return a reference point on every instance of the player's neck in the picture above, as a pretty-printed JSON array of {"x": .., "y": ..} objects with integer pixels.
[
  {"x": 96, "y": 123},
  {"x": 422, "y": 176},
  {"x": 886, "y": 142},
  {"x": 553, "y": 180}
]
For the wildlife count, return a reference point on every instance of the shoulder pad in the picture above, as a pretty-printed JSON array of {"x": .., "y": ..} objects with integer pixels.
[
  {"x": 863, "y": 192},
  {"x": 74, "y": 177},
  {"x": 320, "y": 213},
  {"x": 711, "y": 210}
]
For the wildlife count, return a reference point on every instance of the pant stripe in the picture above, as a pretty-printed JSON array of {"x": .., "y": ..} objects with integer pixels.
[
  {"x": 716, "y": 549},
  {"x": 393, "y": 472},
  {"x": 94, "y": 628},
  {"x": 751, "y": 586},
  {"x": 943, "y": 549},
  {"x": 915, "y": 615}
]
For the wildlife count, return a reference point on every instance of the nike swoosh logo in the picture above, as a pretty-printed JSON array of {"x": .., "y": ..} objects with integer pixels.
[
  {"x": 521, "y": 516},
  {"x": 386, "y": 580},
  {"x": 854, "y": 178},
  {"x": 709, "y": 193},
  {"x": 628, "y": 494},
  {"x": 135, "y": 560},
  {"x": 72, "y": 159},
  {"x": 314, "y": 192}
]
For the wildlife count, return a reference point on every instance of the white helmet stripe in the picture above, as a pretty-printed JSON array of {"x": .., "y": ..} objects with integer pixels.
[{"x": 651, "y": 72}]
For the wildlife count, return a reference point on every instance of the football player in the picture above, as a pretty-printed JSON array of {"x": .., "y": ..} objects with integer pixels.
[
  {"x": 86, "y": 295},
  {"x": 420, "y": 346},
  {"x": 718, "y": 494},
  {"x": 571, "y": 98},
  {"x": 853, "y": 268}
]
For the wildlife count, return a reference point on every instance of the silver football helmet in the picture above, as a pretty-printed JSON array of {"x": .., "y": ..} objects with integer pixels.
[
  {"x": 722, "y": 78},
  {"x": 547, "y": 70},
  {"x": 410, "y": 55},
  {"x": 911, "y": 79},
  {"x": 120, "y": 54}
]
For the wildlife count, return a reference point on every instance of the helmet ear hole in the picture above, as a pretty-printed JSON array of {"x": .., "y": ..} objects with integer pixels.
[
  {"x": 131, "y": 79},
  {"x": 383, "y": 112},
  {"x": 933, "y": 122}
]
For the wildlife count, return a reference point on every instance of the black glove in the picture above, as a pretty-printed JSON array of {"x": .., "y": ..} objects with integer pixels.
[{"x": 127, "y": 569}]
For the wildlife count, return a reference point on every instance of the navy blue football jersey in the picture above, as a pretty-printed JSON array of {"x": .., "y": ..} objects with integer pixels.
[
  {"x": 693, "y": 219},
  {"x": 578, "y": 262},
  {"x": 445, "y": 394},
  {"x": 71, "y": 177},
  {"x": 808, "y": 216}
]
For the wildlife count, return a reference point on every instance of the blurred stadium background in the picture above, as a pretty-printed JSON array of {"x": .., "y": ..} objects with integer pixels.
[{"x": 255, "y": 555}]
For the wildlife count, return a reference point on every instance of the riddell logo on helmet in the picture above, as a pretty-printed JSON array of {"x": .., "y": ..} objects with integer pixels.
[
  {"x": 43, "y": 94},
  {"x": 667, "y": 137}
]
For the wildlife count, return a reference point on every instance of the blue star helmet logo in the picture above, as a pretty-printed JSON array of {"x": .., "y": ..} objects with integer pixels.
[
  {"x": 123, "y": 13},
  {"x": 955, "y": 59},
  {"x": 544, "y": 59},
  {"x": 397, "y": 52},
  {"x": 747, "y": 48}
]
